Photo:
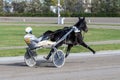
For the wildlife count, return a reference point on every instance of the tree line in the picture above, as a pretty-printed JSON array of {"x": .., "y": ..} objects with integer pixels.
[{"x": 71, "y": 7}]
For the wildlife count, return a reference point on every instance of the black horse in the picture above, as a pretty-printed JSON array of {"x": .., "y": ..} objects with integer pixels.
[{"x": 74, "y": 38}]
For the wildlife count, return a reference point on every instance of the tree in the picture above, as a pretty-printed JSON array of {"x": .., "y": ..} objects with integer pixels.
[
  {"x": 19, "y": 6},
  {"x": 47, "y": 4},
  {"x": 96, "y": 6},
  {"x": 1, "y": 5},
  {"x": 74, "y": 6},
  {"x": 34, "y": 6},
  {"x": 113, "y": 6},
  {"x": 105, "y": 6},
  {"x": 8, "y": 7}
]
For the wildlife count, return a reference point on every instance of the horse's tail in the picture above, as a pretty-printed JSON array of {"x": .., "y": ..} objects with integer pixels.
[{"x": 46, "y": 35}]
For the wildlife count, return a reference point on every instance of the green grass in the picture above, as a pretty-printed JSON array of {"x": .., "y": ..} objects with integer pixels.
[
  {"x": 13, "y": 36},
  {"x": 102, "y": 34},
  {"x": 96, "y": 48}
]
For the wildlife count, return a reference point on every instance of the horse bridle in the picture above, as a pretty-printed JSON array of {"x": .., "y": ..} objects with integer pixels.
[{"x": 81, "y": 30}]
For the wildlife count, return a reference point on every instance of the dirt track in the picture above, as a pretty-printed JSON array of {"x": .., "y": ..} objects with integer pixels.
[{"x": 102, "y": 66}]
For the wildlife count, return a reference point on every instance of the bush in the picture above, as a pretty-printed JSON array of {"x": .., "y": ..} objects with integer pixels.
[
  {"x": 65, "y": 14},
  {"x": 28, "y": 14}
]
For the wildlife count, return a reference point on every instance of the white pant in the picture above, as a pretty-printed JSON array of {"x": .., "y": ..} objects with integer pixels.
[{"x": 45, "y": 43}]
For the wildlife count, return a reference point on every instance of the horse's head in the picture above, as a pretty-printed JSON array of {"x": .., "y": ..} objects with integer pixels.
[{"x": 81, "y": 24}]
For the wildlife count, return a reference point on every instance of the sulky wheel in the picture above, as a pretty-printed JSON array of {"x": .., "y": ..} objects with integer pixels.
[
  {"x": 58, "y": 58},
  {"x": 30, "y": 59}
]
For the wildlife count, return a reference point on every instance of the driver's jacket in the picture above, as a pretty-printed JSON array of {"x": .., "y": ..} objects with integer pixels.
[
  {"x": 31, "y": 40},
  {"x": 34, "y": 42}
]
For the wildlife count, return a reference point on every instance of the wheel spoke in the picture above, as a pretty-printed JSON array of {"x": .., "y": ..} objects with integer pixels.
[
  {"x": 58, "y": 58},
  {"x": 30, "y": 60}
]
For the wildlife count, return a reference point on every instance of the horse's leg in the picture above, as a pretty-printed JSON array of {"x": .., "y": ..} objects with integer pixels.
[
  {"x": 51, "y": 51},
  {"x": 49, "y": 55},
  {"x": 68, "y": 50},
  {"x": 86, "y": 46},
  {"x": 81, "y": 42}
]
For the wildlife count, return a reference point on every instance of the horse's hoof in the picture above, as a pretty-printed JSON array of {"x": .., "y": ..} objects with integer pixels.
[
  {"x": 45, "y": 58},
  {"x": 94, "y": 52},
  {"x": 66, "y": 55}
]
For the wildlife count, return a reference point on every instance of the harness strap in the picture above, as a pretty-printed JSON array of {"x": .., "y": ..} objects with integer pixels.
[{"x": 76, "y": 30}]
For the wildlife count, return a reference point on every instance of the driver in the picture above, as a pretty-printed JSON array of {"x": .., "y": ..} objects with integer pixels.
[{"x": 34, "y": 42}]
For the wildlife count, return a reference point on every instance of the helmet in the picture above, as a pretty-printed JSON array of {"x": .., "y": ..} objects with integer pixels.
[{"x": 28, "y": 30}]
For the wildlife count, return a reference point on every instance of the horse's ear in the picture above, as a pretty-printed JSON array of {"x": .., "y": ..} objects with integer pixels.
[{"x": 79, "y": 18}]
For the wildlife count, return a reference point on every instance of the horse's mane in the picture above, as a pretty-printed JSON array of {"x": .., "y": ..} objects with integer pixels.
[{"x": 59, "y": 33}]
